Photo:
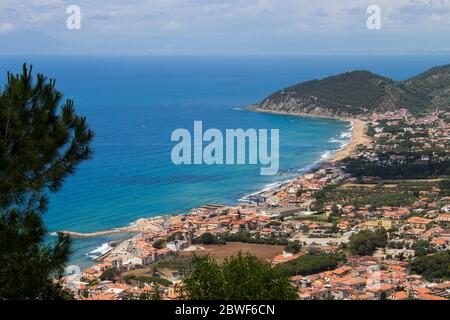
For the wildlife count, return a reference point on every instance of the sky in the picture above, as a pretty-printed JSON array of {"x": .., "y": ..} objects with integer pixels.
[{"x": 223, "y": 27}]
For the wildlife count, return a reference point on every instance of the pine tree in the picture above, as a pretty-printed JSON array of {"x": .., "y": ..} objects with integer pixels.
[
  {"x": 240, "y": 277},
  {"x": 41, "y": 143}
]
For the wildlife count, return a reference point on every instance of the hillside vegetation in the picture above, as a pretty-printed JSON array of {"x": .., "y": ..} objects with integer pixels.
[{"x": 363, "y": 92}]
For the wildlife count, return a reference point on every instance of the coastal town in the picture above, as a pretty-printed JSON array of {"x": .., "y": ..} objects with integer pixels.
[{"x": 371, "y": 223}]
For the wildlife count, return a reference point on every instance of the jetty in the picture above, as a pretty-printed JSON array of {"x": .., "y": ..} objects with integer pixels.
[{"x": 74, "y": 234}]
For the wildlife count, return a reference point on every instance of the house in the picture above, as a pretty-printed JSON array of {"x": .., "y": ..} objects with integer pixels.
[
  {"x": 177, "y": 245},
  {"x": 427, "y": 296},
  {"x": 377, "y": 290},
  {"x": 419, "y": 223},
  {"x": 382, "y": 223},
  {"x": 440, "y": 244},
  {"x": 443, "y": 217},
  {"x": 342, "y": 271},
  {"x": 117, "y": 262},
  {"x": 400, "y": 295},
  {"x": 285, "y": 257},
  {"x": 133, "y": 261}
]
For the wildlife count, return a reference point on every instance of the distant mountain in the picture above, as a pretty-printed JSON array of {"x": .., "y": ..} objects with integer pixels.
[
  {"x": 362, "y": 92},
  {"x": 30, "y": 42}
]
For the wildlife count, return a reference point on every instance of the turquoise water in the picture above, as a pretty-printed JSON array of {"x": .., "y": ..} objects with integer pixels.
[{"x": 134, "y": 104}]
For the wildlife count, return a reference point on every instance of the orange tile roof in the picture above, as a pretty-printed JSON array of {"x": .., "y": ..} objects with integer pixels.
[
  {"x": 439, "y": 241},
  {"x": 103, "y": 296},
  {"x": 342, "y": 270},
  {"x": 422, "y": 290},
  {"x": 401, "y": 295},
  {"x": 443, "y": 285},
  {"x": 426, "y": 296},
  {"x": 119, "y": 286},
  {"x": 419, "y": 220}
]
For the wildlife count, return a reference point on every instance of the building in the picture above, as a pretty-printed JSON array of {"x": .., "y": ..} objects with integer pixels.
[
  {"x": 382, "y": 223},
  {"x": 177, "y": 245},
  {"x": 443, "y": 218},
  {"x": 419, "y": 223}
]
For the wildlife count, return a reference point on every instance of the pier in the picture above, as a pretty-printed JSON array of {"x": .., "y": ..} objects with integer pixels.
[{"x": 82, "y": 235}]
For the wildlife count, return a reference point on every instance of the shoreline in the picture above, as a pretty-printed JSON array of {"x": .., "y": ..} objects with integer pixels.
[
  {"x": 358, "y": 131},
  {"x": 358, "y": 137}
]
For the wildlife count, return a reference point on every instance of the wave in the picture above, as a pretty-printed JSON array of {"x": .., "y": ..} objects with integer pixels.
[
  {"x": 238, "y": 109},
  {"x": 267, "y": 187},
  {"x": 344, "y": 138},
  {"x": 347, "y": 134},
  {"x": 326, "y": 155},
  {"x": 298, "y": 171},
  {"x": 99, "y": 251},
  {"x": 342, "y": 143}
]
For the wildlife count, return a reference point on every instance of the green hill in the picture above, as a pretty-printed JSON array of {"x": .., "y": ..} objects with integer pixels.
[
  {"x": 363, "y": 92},
  {"x": 434, "y": 84}
]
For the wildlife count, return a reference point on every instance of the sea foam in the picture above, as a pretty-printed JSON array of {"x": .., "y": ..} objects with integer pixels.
[{"x": 99, "y": 251}]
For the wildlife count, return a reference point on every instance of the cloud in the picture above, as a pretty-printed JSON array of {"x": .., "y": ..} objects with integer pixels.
[
  {"x": 6, "y": 27},
  {"x": 415, "y": 7},
  {"x": 319, "y": 12},
  {"x": 416, "y": 11},
  {"x": 171, "y": 26},
  {"x": 196, "y": 25}
]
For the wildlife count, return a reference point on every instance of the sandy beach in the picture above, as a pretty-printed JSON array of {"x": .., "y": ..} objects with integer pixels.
[
  {"x": 358, "y": 137},
  {"x": 358, "y": 131}
]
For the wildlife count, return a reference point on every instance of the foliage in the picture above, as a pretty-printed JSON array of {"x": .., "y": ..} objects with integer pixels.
[
  {"x": 433, "y": 267},
  {"x": 376, "y": 193},
  {"x": 144, "y": 296},
  {"x": 175, "y": 236},
  {"x": 207, "y": 238},
  {"x": 311, "y": 264},
  {"x": 159, "y": 244},
  {"x": 151, "y": 279},
  {"x": 41, "y": 144},
  {"x": 366, "y": 242},
  {"x": 422, "y": 248},
  {"x": 397, "y": 169},
  {"x": 273, "y": 224},
  {"x": 110, "y": 274},
  {"x": 362, "y": 92},
  {"x": 27, "y": 265},
  {"x": 293, "y": 247},
  {"x": 241, "y": 277},
  {"x": 175, "y": 262},
  {"x": 444, "y": 185},
  {"x": 243, "y": 236},
  {"x": 128, "y": 278},
  {"x": 335, "y": 212}
]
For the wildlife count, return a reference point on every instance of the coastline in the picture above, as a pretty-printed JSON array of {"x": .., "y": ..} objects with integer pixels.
[
  {"x": 153, "y": 223},
  {"x": 358, "y": 137},
  {"x": 358, "y": 131}
]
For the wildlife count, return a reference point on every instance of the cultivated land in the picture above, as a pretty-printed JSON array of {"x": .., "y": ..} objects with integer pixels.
[{"x": 262, "y": 251}]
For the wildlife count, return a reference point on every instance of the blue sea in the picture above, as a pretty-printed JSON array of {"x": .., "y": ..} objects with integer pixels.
[{"x": 134, "y": 103}]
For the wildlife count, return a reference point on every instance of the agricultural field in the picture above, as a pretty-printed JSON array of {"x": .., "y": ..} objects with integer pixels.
[
  {"x": 262, "y": 251},
  {"x": 383, "y": 192}
]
